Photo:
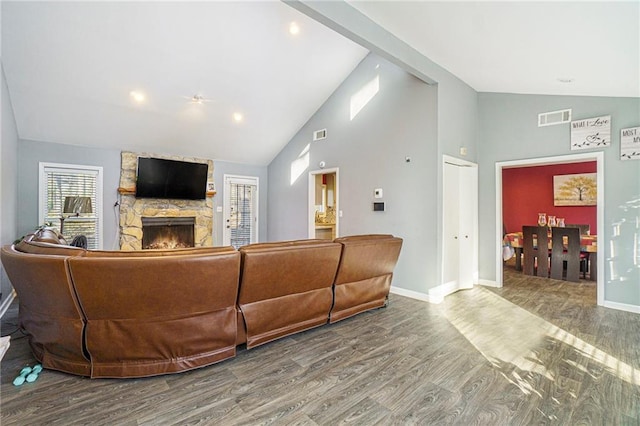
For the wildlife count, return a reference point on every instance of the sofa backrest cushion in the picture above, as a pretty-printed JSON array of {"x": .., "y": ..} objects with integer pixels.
[
  {"x": 272, "y": 270},
  {"x": 286, "y": 287},
  {"x": 364, "y": 276},
  {"x": 49, "y": 310},
  {"x": 157, "y": 314},
  {"x": 366, "y": 256}
]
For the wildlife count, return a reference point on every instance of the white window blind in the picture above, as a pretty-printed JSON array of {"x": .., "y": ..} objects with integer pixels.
[{"x": 59, "y": 181}]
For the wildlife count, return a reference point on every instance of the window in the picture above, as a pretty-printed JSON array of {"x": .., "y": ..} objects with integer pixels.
[{"x": 71, "y": 200}]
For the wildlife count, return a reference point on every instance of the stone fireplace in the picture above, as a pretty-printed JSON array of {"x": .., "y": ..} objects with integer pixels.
[
  {"x": 133, "y": 210},
  {"x": 167, "y": 232}
]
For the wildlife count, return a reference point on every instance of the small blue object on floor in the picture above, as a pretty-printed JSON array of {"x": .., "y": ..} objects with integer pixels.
[
  {"x": 34, "y": 373},
  {"x": 28, "y": 374}
]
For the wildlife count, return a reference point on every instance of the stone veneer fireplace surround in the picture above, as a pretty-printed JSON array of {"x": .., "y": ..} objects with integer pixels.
[{"x": 133, "y": 209}]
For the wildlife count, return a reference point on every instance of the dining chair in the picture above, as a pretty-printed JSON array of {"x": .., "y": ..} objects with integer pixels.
[
  {"x": 535, "y": 250},
  {"x": 585, "y": 229},
  {"x": 565, "y": 249}
]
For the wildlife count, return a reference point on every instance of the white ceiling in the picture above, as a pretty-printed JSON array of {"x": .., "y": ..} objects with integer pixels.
[
  {"x": 523, "y": 47},
  {"x": 70, "y": 66}
]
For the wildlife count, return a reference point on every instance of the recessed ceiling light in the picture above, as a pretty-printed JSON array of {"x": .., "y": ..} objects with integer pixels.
[
  {"x": 237, "y": 117},
  {"x": 565, "y": 80},
  {"x": 294, "y": 28},
  {"x": 137, "y": 96},
  {"x": 197, "y": 99}
]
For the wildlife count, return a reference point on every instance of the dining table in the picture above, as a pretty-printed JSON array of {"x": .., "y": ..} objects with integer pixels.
[{"x": 588, "y": 244}]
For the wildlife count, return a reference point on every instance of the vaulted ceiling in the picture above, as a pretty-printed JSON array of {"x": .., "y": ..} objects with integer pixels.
[{"x": 71, "y": 67}]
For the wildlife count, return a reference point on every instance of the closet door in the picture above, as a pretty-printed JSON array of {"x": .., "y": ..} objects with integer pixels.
[{"x": 459, "y": 259}]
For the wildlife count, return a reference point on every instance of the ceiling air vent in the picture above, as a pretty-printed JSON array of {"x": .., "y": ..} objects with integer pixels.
[
  {"x": 554, "y": 117},
  {"x": 320, "y": 134}
]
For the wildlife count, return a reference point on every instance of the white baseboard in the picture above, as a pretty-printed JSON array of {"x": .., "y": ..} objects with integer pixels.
[
  {"x": 410, "y": 293},
  {"x": 435, "y": 295},
  {"x": 622, "y": 307},
  {"x": 488, "y": 283},
  {"x": 7, "y": 302},
  {"x": 438, "y": 293}
]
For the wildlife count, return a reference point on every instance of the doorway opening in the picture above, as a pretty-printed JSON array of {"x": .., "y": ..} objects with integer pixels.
[
  {"x": 598, "y": 157},
  {"x": 324, "y": 215}
]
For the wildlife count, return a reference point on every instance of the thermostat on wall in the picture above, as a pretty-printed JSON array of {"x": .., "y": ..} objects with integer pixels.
[{"x": 378, "y": 206}]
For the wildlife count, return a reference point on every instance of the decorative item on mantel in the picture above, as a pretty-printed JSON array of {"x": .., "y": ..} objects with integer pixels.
[
  {"x": 630, "y": 143},
  {"x": 552, "y": 221},
  {"x": 560, "y": 222}
]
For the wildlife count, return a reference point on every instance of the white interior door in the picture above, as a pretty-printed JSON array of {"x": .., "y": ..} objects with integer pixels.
[
  {"x": 240, "y": 210},
  {"x": 460, "y": 218}
]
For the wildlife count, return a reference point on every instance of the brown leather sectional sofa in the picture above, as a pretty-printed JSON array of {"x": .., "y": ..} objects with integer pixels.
[{"x": 133, "y": 314}]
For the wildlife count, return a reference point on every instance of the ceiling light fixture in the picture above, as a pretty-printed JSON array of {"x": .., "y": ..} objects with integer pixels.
[
  {"x": 565, "y": 80},
  {"x": 197, "y": 99},
  {"x": 137, "y": 96},
  {"x": 294, "y": 28},
  {"x": 237, "y": 117}
]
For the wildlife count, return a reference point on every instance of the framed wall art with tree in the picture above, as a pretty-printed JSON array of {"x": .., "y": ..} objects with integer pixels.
[{"x": 575, "y": 190}]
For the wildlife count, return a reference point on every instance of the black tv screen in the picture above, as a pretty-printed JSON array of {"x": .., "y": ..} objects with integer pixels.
[{"x": 159, "y": 178}]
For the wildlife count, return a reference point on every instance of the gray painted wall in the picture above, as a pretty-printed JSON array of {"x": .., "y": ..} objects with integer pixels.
[
  {"x": 31, "y": 153},
  {"x": 370, "y": 150},
  {"x": 457, "y": 103},
  {"x": 509, "y": 131},
  {"x": 220, "y": 168},
  {"x": 8, "y": 181}
]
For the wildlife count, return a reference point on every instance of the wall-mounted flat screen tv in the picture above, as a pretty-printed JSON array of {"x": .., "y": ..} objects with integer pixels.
[{"x": 160, "y": 178}]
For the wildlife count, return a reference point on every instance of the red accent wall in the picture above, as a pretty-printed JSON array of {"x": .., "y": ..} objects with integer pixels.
[{"x": 527, "y": 191}]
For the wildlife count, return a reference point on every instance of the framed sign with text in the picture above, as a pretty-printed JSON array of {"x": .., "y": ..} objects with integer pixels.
[
  {"x": 591, "y": 133},
  {"x": 630, "y": 143}
]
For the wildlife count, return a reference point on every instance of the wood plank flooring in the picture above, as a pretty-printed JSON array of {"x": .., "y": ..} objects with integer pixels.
[{"x": 537, "y": 351}]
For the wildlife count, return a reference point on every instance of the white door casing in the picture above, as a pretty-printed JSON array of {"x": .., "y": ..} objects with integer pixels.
[
  {"x": 240, "y": 225},
  {"x": 311, "y": 218}
]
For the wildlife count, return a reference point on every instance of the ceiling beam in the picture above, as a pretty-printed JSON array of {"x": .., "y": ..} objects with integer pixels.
[{"x": 352, "y": 24}]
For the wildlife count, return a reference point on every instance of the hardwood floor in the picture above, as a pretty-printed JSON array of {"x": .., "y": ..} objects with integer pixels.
[{"x": 536, "y": 351}]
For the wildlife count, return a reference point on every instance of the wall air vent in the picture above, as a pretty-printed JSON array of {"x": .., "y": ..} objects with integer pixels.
[
  {"x": 320, "y": 134},
  {"x": 554, "y": 117}
]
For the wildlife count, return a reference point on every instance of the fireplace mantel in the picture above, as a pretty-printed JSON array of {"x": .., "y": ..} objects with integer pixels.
[{"x": 132, "y": 209}]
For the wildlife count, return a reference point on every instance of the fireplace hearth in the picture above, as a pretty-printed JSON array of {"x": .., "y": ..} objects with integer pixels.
[{"x": 167, "y": 232}]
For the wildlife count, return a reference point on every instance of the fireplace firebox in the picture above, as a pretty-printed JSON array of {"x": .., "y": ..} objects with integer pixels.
[{"x": 167, "y": 232}]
